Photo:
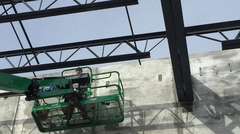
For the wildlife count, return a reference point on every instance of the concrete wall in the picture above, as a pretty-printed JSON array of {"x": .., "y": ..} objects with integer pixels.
[{"x": 150, "y": 99}]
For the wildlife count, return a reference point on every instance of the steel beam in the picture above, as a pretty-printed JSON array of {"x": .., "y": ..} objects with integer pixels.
[
  {"x": 213, "y": 27},
  {"x": 172, "y": 12},
  {"x": 75, "y": 45},
  {"x": 193, "y": 30},
  {"x": 66, "y": 10},
  {"x": 231, "y": 44},
  {"x": 76, "y": 63}
]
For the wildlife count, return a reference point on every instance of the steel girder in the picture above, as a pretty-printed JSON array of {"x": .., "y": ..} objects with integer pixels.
[
  {"x": 173, "y": 18},
  {"x": 231, "y": 44},
  {"x": 190, "y": 31},
  {"x": 66, "y": 10},
  {"x": 57, "y": 65}
]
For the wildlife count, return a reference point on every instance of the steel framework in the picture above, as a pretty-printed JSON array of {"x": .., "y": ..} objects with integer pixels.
[{"x": 175, "y": 33}]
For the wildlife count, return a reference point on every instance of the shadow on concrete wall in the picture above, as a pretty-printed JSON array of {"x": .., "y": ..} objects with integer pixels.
[
  {"x": 216, "y": 113},
  {"x": 138, "y": 114}
]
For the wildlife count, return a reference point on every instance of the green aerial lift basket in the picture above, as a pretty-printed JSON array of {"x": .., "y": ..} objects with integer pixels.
[{"x": 99, "y": 110}]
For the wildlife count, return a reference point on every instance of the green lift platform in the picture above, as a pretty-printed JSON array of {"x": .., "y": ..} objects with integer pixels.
[{"x": 67, "y": 102}]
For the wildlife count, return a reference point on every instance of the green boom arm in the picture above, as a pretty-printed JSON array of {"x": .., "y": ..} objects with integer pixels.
[
  {"x": 31, "y": 87},
  {"x": 14, "y": 83}
]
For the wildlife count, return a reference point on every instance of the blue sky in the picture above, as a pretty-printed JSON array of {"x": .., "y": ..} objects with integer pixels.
[{"x": 146, "y": 17}]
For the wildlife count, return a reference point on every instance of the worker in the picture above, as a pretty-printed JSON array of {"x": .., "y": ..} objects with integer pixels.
[
  {"x": 78, "y": 70},
  {"x": 80, "y": 95}
]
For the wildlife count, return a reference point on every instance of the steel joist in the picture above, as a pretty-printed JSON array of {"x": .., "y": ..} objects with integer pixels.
[{"x": 65, "y": 10}]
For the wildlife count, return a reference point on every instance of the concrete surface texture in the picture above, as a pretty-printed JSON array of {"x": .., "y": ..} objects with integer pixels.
[{"x": 151, "y": 100}]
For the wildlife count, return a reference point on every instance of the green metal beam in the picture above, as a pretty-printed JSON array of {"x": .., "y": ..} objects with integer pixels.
[{"x": 14, "y": 83}]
